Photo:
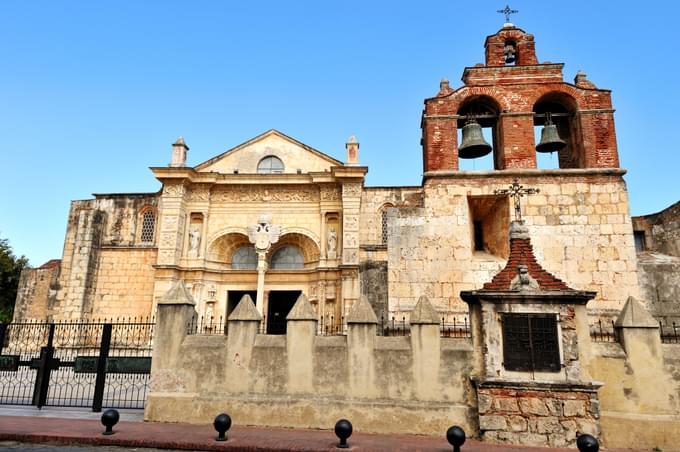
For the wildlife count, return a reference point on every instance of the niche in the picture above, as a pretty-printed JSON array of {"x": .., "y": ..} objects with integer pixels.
[
  {"x": 195, "y": 232},
  {"x": 489, "y": 223}
]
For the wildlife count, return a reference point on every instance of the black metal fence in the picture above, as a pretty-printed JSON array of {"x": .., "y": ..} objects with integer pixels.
[
  {"x": 76, "y": 364},
  {"x": 603, "y": 331},
  {"x": 670, "y": 334},
  {"x": 450, "y": 326}
]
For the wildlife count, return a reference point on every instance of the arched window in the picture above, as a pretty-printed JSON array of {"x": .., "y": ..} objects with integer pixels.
[
  {"x": 245, "y": 258},
  {"x": 148, "y": 226},
  {"x": 270, "y": 165},
  {"x": 288, "y": 257}
]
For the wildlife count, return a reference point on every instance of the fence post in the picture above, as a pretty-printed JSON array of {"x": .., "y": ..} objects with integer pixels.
[
  {"x": 44, "y": 366},
  {"x": 300, "y": 334},
  {"x": 101, "y": 368},
  {"x": 425, "y": 346},
  {"x": 3, "y": 333},
  {"x": 361, "y": 337}
]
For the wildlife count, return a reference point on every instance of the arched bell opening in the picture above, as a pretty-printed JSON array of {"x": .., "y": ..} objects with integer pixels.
[
  {"x": 555, "y": 130},
  {"x": 478, "y": 136}
]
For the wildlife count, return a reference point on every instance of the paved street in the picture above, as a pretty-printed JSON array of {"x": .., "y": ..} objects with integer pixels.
[{"x": 18, "y": 446}]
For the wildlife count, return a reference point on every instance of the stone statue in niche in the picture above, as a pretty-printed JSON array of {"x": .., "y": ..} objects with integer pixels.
[
  {"x": 194, "y": 240},
  {"x": 523, "y": 281},
  {"x": 332, "y": 245}
]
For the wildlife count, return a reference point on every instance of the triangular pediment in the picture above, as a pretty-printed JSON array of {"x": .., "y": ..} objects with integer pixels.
[{"x": 297, "y": 157}]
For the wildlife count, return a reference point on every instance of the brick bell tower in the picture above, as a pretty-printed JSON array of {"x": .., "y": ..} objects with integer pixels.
[{"x": 509, "y": 95}]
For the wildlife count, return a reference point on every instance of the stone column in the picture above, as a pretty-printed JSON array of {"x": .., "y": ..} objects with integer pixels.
[
  {"x": 361, "y": 337},
  {"x": 172, "y": 219},
  {"x": 426, "y": 349},
  {"x": 244, "y": 323},
  {"x": 174, "y": 312},
  {"x": 261, "y": 270},
  {"x": 301, "y": 331}
]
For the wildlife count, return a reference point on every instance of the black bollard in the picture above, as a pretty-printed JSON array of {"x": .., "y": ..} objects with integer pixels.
[
  {"x": 222, "y": 424},
  {"x": 456, "y": 437},
  {"x": 343, "y": 430},
  {"x": 109, "y": 419},
  {"x": 587, "y": 443}
]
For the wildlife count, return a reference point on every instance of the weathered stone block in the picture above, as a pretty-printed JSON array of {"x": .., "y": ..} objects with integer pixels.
[
  {"x": 548, "y": 425},
  {"x": 574, "y": 408},
  {"x": 517, "y": 423},
  {"x": 507, "y": 405},
  {"x": 533, "y": 405},
  {"x": 492, "y": 423},
  {"x": 484, "y": 403}
]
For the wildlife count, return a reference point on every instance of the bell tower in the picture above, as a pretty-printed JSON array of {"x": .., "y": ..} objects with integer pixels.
[{"x": 509, "y": 95}]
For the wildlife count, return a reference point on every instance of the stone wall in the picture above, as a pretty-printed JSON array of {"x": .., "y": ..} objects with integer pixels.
[
  {"x": 124, "y": 283},
  {"x": 373, "y": 285},
  {"x": 659, "y": 263},
  {"x": 111, "y": 222},
  {"x": 36, "y": 292},
  {"x": 535, "y": 414},
  {"x": 580, "y": 228},
  {"x": 414, "y": 384}
]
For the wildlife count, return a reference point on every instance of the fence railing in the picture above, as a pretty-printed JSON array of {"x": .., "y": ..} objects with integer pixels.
[
  {"x": 670, "y": 334},
  {"x": 450, "y": 326},
  {"x": 603, "y": 331}
]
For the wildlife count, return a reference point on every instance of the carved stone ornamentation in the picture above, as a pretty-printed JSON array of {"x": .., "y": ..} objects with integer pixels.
[
  {"x": 169, "y": 223},
  {"x": 174, "y": 190},
  {"x": 267, "y": 194},
  {"x": 351, "y": 239},
  {"x": 329, "y": 193},
  {"x": 350, "y": 222},
  {"x": 351, "y": 190},
  {"x": 198, "y": 194}
]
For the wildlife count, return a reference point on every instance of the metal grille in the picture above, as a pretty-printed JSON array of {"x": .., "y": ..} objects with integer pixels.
[
  {"x": 76, "y": 364},
  {"x": 530, "y": 342},
  {"x": 148, "y": 226},
  {"x": 384, "y": 226}
]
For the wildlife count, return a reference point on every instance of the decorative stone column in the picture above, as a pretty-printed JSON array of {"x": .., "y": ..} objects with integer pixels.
[
  {"x": 263, "y": 235},
  {"x": 172, "y": 220}
]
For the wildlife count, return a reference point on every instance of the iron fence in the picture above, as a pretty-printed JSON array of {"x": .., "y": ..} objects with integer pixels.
[
  {"x": 603, "y": 331},
  {"x": 669, "y": 334},
  {"x": 76, "y": 364}
]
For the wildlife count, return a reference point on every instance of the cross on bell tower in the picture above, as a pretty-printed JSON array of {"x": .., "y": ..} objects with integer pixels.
[
  {"x": 507, "y": 11},
  {"x": 516, "y": 191}
]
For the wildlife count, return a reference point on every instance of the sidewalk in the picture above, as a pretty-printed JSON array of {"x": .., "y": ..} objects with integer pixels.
[{"x": 77, "y": 430}]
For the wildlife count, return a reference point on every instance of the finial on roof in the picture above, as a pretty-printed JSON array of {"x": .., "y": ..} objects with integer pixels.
[
  {"x": 179, "y": 153},
  {"x": 444, "y": 87},
  {"x": 352, "y": 148}
]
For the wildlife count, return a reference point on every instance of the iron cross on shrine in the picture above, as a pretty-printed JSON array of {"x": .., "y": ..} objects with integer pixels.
[
  {"x": 517, "y": 191},
  {"x": 507, "y": 11}
]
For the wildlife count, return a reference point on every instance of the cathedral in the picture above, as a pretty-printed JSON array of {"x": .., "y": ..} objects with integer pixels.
[{"x": 274, "y": 218}]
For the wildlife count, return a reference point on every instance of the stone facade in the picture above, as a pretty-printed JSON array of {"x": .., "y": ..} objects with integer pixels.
[
  {"x": 657, "y": 238},
  {"x": 393, "y": 244}
]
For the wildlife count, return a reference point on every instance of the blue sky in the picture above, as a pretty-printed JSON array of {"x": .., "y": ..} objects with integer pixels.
[{"x": 93, "y": 93}]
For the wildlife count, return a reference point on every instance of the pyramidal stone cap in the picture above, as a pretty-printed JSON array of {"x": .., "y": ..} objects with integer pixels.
[
  {"x": 424, "y": 313},
  {"x": 362, "y": 312},
  {"x": 634, "y": 315},
  {"x": 178, "y": 294},
  {"x": 302, "y": 310},
  {"x": 245, "y": 310}
]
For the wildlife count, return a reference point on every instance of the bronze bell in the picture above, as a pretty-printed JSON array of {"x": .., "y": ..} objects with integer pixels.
[
  {"x": 473, "y": 144},
  {"x": 550, "y": 139}
]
